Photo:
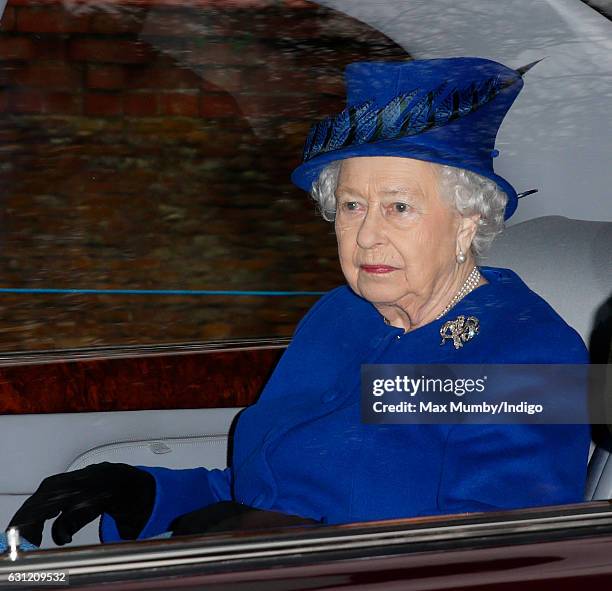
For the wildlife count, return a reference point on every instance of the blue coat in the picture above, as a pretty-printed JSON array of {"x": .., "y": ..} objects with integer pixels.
[{"x": 302, "y": 448}]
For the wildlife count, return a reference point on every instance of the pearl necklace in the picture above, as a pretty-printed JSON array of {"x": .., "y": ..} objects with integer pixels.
[{"x": 470, "y": 283}]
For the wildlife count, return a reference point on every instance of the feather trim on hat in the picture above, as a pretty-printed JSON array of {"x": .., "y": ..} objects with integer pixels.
[{"x": 408, "y": 114}]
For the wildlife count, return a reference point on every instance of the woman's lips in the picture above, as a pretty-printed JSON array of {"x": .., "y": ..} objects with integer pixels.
[{"x": 378, "y": 269}]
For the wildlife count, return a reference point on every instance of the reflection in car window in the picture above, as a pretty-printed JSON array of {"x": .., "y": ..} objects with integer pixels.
[{"x": 149, "y": 147}]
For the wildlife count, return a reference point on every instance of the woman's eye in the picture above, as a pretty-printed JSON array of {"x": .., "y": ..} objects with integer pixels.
[
  {"x": 350, "y": 205},
  {"x": 401, "y": 207}
]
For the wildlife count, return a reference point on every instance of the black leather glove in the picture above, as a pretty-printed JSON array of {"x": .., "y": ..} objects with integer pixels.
[
  {"x": 126, "y": 493},
  {"x": 231, "y": 516}
]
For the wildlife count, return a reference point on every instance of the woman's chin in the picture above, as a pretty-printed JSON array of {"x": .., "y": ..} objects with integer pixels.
[{"x": 377, "y": 294}]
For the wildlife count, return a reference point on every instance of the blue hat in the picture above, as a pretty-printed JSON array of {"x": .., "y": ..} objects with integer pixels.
[{"x": 446, "y": 111}]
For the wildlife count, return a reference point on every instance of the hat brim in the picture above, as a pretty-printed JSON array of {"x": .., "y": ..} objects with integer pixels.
[{"x": 308, "y": 172}]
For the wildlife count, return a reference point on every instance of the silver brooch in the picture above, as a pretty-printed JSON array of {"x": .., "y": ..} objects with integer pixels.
[{"x": 461, "y": 330}]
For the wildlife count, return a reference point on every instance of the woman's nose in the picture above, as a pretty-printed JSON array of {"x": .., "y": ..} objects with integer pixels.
[{"x": 371, "y": 231}]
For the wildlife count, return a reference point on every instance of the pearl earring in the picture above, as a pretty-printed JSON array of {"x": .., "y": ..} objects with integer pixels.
[{"x": 461, "y": 257}]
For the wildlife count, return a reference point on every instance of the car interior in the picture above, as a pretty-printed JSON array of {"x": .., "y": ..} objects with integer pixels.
[
  {"x": 564, "y": 259},
  {"x": 576, "y": 283}
]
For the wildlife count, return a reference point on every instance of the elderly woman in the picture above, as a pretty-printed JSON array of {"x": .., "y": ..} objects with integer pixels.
[{"x": 405, "y": 172}]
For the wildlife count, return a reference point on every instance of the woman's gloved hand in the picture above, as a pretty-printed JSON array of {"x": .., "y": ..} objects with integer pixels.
[
  {"x": 232, "y": 516},
  {"x": 126, "y": 493}
]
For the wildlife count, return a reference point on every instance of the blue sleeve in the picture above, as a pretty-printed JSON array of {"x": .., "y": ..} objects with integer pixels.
[
  {"x": 182, "y": 491},
  {"x": 488, "y": 467},
  {"x": 294, "y": 368},
  {"x": 177, "y": 492}
]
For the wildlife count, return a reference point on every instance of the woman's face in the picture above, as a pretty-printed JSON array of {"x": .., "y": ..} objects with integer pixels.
[{"x": 397, "y": 239}]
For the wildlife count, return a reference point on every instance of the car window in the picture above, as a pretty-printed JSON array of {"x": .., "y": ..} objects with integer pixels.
[{"x": 149, "y": 147}]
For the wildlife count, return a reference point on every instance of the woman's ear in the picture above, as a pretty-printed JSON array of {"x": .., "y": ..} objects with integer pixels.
[{"x": 466, "y": 230}]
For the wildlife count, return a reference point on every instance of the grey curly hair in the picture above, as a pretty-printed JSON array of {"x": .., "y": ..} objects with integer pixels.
[{"x": 467, "y": 191}]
